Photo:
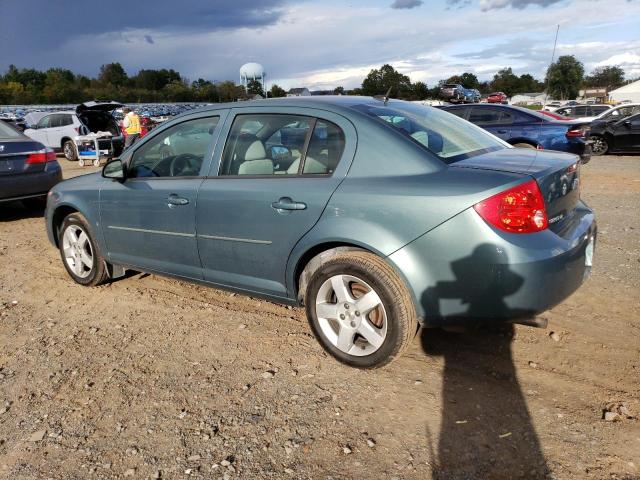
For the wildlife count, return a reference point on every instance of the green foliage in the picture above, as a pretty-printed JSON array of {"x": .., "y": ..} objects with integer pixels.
[
  {"x": 609, "y": 77},
  {"x": 277, "y": 91},
  {"x": 113, "y": 74},
  {"x": 254, "y": 87},
  {"x": 339, "y": 91},
  {"x": 378, "y": 82},
  {"x": 420, "y": 91},
  {"x": 564, "y": 77}
]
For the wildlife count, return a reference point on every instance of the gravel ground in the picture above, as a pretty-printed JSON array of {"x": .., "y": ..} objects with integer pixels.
[{"x": 152, "y": 378}]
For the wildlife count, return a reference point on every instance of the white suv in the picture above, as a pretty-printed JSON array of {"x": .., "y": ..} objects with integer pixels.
[{"x": 57, "y": 129}]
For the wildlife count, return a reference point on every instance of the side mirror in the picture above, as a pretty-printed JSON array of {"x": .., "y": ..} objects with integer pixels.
[
  {"x": 114, "y": 170},
  {"x": 280, "y": 153}
]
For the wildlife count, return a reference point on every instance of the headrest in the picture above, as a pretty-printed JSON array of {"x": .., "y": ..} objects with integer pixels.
[{"x": 255, "y": 151}]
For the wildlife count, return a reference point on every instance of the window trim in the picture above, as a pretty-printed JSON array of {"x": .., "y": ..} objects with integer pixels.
[
  {"x": 211, "y": 148},
  {"x": 312, "y": 124}
]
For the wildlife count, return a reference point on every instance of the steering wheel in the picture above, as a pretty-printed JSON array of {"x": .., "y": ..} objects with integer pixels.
[{"x": 186, "y": 162}]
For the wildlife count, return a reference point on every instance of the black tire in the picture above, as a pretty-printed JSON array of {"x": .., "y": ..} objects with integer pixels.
[
  {"x": 69, "y": 150},
  {"x": 36, "y": 203},
  {"x": 401, "y": 320},
  {"x": 599, "y": 145},
  {"x": 98, "y": 273},
  {"x": 523, "y": 145}
]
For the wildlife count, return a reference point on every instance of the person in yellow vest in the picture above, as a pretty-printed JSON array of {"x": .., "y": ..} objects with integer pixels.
[{"x": 132, "y": 127}]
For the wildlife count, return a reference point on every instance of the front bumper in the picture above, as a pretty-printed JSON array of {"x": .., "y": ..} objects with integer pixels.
[
  {"x": 465, "y": 271},
  {"x": 29, "y": 185}
]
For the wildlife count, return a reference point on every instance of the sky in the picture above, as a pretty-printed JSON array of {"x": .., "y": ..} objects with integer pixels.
[{"x": 319, "y": 44}]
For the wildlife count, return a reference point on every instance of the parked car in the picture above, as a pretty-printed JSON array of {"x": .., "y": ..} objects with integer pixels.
[
  {"x": 616, "y": 136},
  {"x": 497, "y": 97},
  {"x": 57, "y": 129},
  {"x": 429, "y": 220},
  {"x": 526, "y": 128},
  {"x": 586, "y": 113},
  {"x": 28, "y": 169},
  {"x": 456, "y": 93}
]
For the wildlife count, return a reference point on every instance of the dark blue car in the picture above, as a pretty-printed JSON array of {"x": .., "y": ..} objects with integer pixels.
[{"x": 526, "y": 128}]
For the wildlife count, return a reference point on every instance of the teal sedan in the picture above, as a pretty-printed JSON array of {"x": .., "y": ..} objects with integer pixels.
[{"x": 377, "y": 216}]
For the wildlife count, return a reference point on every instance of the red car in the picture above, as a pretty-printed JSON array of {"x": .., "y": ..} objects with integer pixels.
[{"x": 497, "y": 97}]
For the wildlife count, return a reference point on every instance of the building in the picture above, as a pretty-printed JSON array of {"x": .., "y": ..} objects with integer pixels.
[
  {"x": 529, "y": 99},
  {"x": 298, "y": 92},
  {"x": 597, "y": 94},
  {"x": 630, "y": 92}
]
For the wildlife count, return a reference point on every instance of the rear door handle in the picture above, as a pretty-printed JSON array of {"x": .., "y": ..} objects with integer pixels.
[
  {"x": 173, "y": 200},
  {"x": 285, "y": 203}
]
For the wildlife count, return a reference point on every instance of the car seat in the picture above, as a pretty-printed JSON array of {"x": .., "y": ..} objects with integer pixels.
[{"x": 256, "y": 161}]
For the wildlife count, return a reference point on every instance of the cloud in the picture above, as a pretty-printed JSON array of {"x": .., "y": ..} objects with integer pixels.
[
  {"x": 406, "y": 4},
  {"x": 149, "y": 39},
  {"x": 486, "y": 5}
]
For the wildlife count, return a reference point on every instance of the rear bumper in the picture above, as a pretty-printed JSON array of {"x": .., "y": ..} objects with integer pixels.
[
  {"x": 28, "y": 185},
  {"x": 465, "y": 271}
]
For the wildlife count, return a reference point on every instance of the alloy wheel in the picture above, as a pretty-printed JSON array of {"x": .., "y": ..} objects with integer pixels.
[
  {"x": 351, "y": 315},
  {"x": 77, "y": 251}
]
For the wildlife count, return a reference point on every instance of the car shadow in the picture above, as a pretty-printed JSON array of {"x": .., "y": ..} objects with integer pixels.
[
  {"x": 486, "y": 430},
  {"x": 12, "y": 211}
]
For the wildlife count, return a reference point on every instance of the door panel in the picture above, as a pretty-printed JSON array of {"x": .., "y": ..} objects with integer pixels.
[
  {"x": 627, "y": 133},
  {"x": 149, "y": 220},
  {"x": 249, "y": 224}
]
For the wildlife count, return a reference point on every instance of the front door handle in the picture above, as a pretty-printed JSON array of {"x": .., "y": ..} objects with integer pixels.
[
  {"x": 502, "y": 131},
  {"x": 173, "y": 200},
  {"x": 285, "y": 203}
]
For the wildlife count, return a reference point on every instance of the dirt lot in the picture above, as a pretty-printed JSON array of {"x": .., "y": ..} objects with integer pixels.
[{"x": 152, "y": 378}]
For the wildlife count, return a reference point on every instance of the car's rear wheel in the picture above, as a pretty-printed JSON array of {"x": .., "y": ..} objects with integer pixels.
[
  {"x": 599, "y": 145},
  {"x": 79, "y": 251},
  {"x": 69, "y": 150},
  {"x": 360, "y": 310}
]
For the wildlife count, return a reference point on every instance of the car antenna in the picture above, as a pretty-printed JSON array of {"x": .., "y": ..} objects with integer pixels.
[{"x": 386, "y": 96}]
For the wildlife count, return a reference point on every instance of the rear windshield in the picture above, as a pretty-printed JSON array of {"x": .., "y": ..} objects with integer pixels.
[
  {"x": 441, "y": 133},
  {"x": 8, "y": 132},
  {"x": 451, "y": 85}
]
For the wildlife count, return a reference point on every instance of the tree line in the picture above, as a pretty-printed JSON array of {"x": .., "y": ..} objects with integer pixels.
[{"x": 59, "y": 86}]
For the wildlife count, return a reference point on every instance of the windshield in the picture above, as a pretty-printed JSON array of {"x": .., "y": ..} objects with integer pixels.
[
  {"x": 8, "y": 132},
  {"x": 442, "y": 133}
]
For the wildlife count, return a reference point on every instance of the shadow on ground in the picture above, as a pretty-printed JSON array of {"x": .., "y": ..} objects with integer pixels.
[{"x": 486, "y": 430}]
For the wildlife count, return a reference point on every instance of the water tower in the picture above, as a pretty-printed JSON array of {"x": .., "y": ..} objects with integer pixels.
[{"x": 252, "y": 71}]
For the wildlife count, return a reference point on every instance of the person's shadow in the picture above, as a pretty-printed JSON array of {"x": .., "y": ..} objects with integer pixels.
[{"x": 486, "y": 430}]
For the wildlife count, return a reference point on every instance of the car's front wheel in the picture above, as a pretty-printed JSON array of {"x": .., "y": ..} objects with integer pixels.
[
  {"x": 69, "y": 150},
  {"x": 79, "y": 251},
  {"x": 599, "y": 145},
  {"x": 360, "y": 310}
]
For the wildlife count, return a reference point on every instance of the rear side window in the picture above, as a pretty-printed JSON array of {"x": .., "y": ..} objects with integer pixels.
[
  {"x": 325, "y": 149},
  {"x": 489, "y": 116},
  {"x": 279, "y": 144},
  {"x": 44, "y": 122},
  {"x": 581, "y": 111},
  {"x": 7, "y": 131},
  {"x": 458, "y": 112},
  {"x": 66, "y": 120}
]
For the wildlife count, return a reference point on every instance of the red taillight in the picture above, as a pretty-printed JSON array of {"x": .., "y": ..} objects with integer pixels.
[
  {"x": 41, "y": 156},
  {"x": 580, "y": 132},
  {"x": 517, "y": 210}
]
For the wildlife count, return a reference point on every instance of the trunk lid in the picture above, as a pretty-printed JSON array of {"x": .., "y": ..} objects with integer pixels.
[
  {"x": 557, "y": 174},
  {"x": 14, "y": 154},
  {"x": 98, "y": 106}
]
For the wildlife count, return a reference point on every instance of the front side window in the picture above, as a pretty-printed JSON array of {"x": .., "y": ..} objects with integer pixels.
[
  {"x": 178, "y": 151},
  {"x": 581, "y": 111},
  {"x": 443, "y": 134}
]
